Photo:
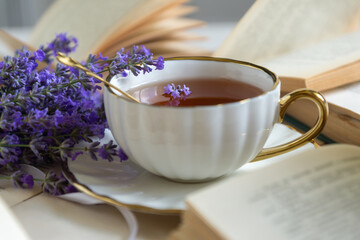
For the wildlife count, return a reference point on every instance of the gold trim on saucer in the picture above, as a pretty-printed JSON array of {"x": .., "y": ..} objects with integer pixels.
[
  {"x": 88, "y": 191},
  {"x": 134, "y": 207}
]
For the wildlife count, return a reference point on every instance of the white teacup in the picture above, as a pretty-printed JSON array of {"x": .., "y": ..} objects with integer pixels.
[{"x": 203, "y": 142}]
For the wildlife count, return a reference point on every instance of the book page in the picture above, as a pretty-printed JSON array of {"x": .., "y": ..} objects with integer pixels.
[
  {"x": 175, "y": 49},
  {"x": 10, "y": 226},
  {"x": 345, "y": 99},
  {"x": 181, "y": 36},
  {"x": 11, "y": 44},
  {"x": 93, "y": 21},
  {"x": 274, "y": 27},
  {"x": 318, "y": 58},
  {"x": 173, "y": 44},
  {"x": 177, "y": 11},
  {"x": 128, "y": 27},
  {"x": 313, "y": 195},
  {"x": 157, "y": 30}
]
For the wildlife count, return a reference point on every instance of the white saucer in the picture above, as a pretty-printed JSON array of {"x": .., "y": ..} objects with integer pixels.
[{"x": 127, "y": 184}]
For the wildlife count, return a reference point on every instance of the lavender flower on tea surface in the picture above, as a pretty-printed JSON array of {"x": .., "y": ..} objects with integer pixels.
[
  {"x": 45, "y": 113},
  {"x": 177, "y": 92}
]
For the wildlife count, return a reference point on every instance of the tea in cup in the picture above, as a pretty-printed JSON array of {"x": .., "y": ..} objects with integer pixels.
[{"x": 222, "y": 125}]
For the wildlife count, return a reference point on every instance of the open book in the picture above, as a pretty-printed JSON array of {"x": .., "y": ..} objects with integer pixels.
[
  {"x": 312, "y": 195},
  {"x": 307, "y": 43},
  {"x": 108, "y": 26}
]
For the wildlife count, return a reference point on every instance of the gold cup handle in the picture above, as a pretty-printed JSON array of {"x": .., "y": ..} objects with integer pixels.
[{"x": 285, "y": 102}]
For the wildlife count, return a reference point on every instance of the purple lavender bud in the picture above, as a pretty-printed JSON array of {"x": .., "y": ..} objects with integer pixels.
[
  {"x": 58, "y": 118},
  {"x": 168, "y": 89},
  {"x": 93, "y": 63},
  {"x": 28, "y": 181},
  {"x": 70, "y": 189},
  {"x": 40, "y": 113},
  {"x": 123, "y": 74},
  {"x": 175, "y": 94},
  {"x": 159, "y": 63},
  {"x": 61, "y": 43},
  {"x": 186, "y": 90},
  {"x": 39, "y": 55},
  {"x": 74, "y": 155},
  {"x": 103, "y": 153},
  {"x": 135, "y": 70},
  {"x": 92, "y": 149},
  {"x": 122, "y": 155},
  {"x": 64, "y": 43},
  {"x": 17, "y": 119},
  {"x": 57, "y": 184},
  {"x": 178, "y": 88},
  {"x": 146, "y": 51},
  {"x": 22, "y": 180}
]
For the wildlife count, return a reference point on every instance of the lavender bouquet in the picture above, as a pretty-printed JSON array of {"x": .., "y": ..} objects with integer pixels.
[{"x": 44, "y": 113}]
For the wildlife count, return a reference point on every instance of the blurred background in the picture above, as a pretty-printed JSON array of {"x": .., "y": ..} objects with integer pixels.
[{"x": 25, "y": 13}]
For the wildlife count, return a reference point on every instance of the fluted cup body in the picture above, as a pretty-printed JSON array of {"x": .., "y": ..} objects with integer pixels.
[{"x": 194, "y": 143}]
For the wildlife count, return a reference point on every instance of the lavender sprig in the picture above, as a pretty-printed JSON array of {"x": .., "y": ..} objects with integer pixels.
[
  {"x": 45, "y": 113},
  {"x": 54, "y": 184},
  {"x": 137, "y": 60},
  {"x": 61, "y": 43}
]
